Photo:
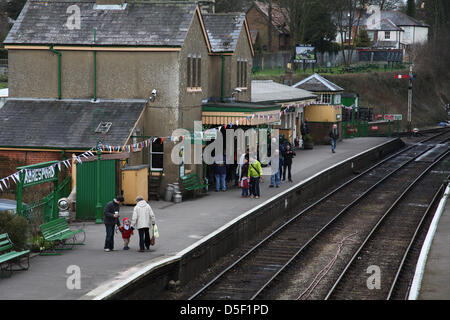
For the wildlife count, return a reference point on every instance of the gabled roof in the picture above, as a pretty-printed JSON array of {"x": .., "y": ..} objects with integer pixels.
[
  {"x": 401, "y": 19},
  {"x": 317, "y": 83},
  {"x": 280, "y": 16},
  {"x": 66, "y": 123},
  {"x": 387, "y": 25},
  {"x": 137, "y": 24},
  {"x": 270, "y": 91},
  {"x": 223, "y": 30},
  {"x": 393, "y": 19}
]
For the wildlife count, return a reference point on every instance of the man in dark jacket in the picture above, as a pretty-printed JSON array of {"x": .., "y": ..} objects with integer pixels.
[
  {"x": 334, "y": 135},
  {"x": 288, "y": 155},
  {"x": 220, "y": 172},
  {"x": 110, "y": 219}
]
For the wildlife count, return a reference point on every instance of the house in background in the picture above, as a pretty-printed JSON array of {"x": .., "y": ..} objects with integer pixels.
[
  {"x": 393, "y": 29},
  {"x": 269, "y": 34},
  {"x": 326, "y": 110}
]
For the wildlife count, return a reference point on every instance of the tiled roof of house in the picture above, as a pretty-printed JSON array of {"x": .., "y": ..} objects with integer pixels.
[
  {"x": 392, "y": 20},
  {"x": 137, "y": 24},
  {"x": 223, "y": 30},
  {"x": 66, "y": 123},
  {"x": 280, "y": 16},
  {"x": 317, "y": 83},
  {"x": 401, "y": 19},
  {"x": 270, "y": 91}
]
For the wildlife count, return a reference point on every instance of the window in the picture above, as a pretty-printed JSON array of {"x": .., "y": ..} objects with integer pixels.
[
  {"x": 337, "y": 99},
  {"x": 194, "y": 72},
  {"x": 241, "y": 74},
  {"x": 387, "y": 34},
  {"x": 325, "y": 98},
  {"x": 157, "y": 155}
]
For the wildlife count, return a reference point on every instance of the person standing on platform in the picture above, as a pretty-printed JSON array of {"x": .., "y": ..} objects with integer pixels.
[
  {"x": 244, "y": 180},
  {"x": 275, "y": 177},
  {"x": 288, "y": 155},
  {"x": 220, "y": 172},
  {"x": 254, "y": 172},
  {"x": 111, "y": 219},
  {"x": 144, "y": 220},
  {"x": 334, "y": 135}
]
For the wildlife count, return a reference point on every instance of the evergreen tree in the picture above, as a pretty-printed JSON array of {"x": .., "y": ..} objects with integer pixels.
[
  {"x": 362, "y": 39},
  {"x": 411, "y": 8}
]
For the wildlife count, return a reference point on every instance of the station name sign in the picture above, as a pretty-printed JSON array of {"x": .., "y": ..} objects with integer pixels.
[{"x": 40, "y": 175}]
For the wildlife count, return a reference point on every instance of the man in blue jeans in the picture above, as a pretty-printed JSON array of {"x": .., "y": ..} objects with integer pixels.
[
  {"x": 334, "y": 135},
  {"x": 220, "y": 173},
  {"x": 111, "y": 219}
]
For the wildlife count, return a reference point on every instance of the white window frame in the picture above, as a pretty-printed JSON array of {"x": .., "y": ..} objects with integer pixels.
[
  {"x": 325, "y": 98},
  {"x": 151, "y": 158}
]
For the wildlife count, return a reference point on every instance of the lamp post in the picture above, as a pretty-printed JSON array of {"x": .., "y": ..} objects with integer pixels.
[{"x": 98, "y": 207}]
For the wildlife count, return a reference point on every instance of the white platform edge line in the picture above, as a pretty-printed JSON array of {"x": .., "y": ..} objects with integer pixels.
[
  {"x": 422, "y": 261},
  {"x": 180, "y": 254}
]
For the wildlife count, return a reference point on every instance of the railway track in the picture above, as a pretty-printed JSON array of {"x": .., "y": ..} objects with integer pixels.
[{"x": 305, "y": 237}]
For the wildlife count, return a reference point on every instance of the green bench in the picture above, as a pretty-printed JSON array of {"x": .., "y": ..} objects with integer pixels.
[
  {"x": 58, "y": 233},
  {"x": 192, "y": 182},
  {"x": 8, "y": 256}
]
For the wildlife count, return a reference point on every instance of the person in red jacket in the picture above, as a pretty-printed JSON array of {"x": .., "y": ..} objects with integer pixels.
[{"x": 127, "y": 230}]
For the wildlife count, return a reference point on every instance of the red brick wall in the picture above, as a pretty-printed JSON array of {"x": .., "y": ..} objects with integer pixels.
[{"x": 11, "y": 159}]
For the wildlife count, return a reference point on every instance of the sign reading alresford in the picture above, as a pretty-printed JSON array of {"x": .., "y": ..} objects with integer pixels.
[{"x": 40, "y": 175}]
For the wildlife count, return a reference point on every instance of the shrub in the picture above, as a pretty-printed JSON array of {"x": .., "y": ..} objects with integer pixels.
[{"x": 16, "y": 227}]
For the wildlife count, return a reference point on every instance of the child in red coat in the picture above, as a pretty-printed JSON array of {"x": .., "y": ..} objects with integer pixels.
[{"x": 127, "y": 230}]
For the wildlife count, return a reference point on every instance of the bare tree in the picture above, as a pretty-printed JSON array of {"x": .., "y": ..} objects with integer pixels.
[
  {"x": 386, "y": 4},
  {"x": 296, "y": 14},
  {"x": 347, "y": 15}
]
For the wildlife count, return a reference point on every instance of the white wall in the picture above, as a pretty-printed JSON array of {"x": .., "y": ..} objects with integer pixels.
[{"x": 414, "y": 35}]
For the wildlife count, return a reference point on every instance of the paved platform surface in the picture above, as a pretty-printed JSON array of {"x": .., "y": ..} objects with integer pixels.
[
  {"x": 436, "y": 278},
  {"x": 180, "y": 226}
]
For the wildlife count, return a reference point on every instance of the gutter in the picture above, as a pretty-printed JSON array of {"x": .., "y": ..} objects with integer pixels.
[
  {"x": 222, "y": 79},
  {"x": 95, "y": 66},
  {"x": 59, "y": 69}
]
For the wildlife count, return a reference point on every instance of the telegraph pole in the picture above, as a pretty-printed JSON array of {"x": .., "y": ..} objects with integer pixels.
[{"x": 410, "y": 98}]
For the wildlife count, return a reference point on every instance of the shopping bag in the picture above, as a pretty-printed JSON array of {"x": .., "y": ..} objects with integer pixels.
[
  {"x": 152, "y": 241},
  {"x": 155, "y": 231}
]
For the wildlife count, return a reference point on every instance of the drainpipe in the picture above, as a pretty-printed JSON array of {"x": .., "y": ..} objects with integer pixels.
[
  {"x": 223, "y": 79},
  {"x": 95, "y": 67},
  {"x": 59, "y": 70}
]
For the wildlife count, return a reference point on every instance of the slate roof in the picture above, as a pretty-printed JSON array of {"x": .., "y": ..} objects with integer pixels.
[
  {"x": 270, "y": 91},
  {"x": 395, "y": 18},
  {"x": 223, "y": 30},
  {"x": 139, "y": 24},
  {"x": 65, "y": 123},
  {"x": 280, "y": 16},
  {"x": 387, "y": 25},
  {"x": 317, "y": 83}
]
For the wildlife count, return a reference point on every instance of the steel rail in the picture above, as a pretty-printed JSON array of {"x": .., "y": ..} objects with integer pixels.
[
  {"x": 388, "y": 211},
  {"x": 283, "y": 226},
  {"x": 344, "y": 210},
  {"x": 408, "y": 249}
]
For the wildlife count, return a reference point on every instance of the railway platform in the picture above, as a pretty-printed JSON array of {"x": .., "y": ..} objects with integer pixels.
[
  {"x": 435, "y": 284},
  {"x": 180, "y": 226}
]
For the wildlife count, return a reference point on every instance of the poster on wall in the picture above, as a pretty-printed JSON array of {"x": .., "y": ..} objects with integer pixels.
[{"x": 305, "y": 53}]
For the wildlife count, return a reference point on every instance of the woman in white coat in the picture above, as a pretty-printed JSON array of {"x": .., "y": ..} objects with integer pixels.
[{"x": 143, "y": 219}]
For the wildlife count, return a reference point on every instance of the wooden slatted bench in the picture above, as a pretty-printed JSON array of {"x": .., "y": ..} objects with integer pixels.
[
  {"x": 60, "y": 235},
  {"x": 192, "y": 182},
  {"x": 10, "y": 257}
]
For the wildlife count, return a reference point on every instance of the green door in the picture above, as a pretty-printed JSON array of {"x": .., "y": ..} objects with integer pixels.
[{"x": 86, "y": 187}]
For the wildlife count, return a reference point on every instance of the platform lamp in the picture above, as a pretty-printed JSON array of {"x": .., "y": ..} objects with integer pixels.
[{"x": 99, "y": 129}]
